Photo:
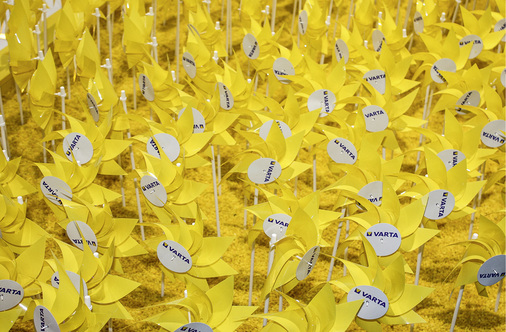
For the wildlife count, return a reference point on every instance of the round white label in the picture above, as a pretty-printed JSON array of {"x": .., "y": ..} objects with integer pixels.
[
  {"x": 444, "y": 64},
  {"x": 195, "y": 327},
  {"x": 281, "y": 67},
  {"x": 418, "y": 24},
  {"x": 440, "y": 204},
  {"x": 341, "y": 51},
  {"x": 146, "y": 87},
  {"x": 174, "y": 256},
  {"x": 375, "y": 301},
  {"x": 189, "y": 65},
  {"x": 477, "y": 45},
  {"x": 501, "y": 26},
  {"x": 264, "y": 171},
  {"x": 77, "y": 146},
  {"x": 384, "y": 238},
  {"x": 167, "y": 142},
  {"x": 88, "y": 234},
  {"x": 492, "y": 134},
  {"x": 342, "y": 151},
  {"x": 307, "y": 263},
  {"x": 492, "y": 271},
  {"x": 226, "y": 98},
  {"x": 250, "y": 46},
  {"x": 471, "y": 98},
  {"x": 266, "y": 128},
  {"x": 11, "y": 294},
  {"x": 93, "y": 107},
  {"x": 199, "y": 123},
  {"x": 74, "y": 278},
  {"x": 322, "y": 99},
  {"x": 378, "y": 38},
  {"x": 377, "y": 79},
  {"x": 373, "y": 192},
  {"x": 303, "y": 22},
  {"x": 153, "y": 190},
  {"x": 376, "y": 118},
  {"x": 53, "y": 189},
  {"x": 44, "y": 320},
  {"x": 276, "y": 224},
  {"x": 451, "y": 157}
]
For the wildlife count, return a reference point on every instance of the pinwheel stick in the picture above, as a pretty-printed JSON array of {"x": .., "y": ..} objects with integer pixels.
[
  {"x": 4, "y": 137},
  {"x": 110, "y": 22},
  {"x": 477, "y": 200},
  {"x": 44, "y": 17},
  {"x": 426, "y": 108},
  {"x": 269, "y": 266},
  {"x": 347, "y": 229},
  {"x": 252, "y": 261},
  {"x": 97, "y": 15},
  {"x": 216, "y": 208},
  {"x": 20, "y": 103},
  {"x": 498, "y": 295},
  {"x": 4, "y": 127},
  {"x": 273, "y": 15},
  {"x": 189, "y": 312},
  {"x": 219, "y": 169},
  {"x": 62, "y": 95},
  {"x": 336, "y": 244},
  {"x": 177, "y": 38}
]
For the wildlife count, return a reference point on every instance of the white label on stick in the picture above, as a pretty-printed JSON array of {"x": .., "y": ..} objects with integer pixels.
[
  {"x": 492, "y": 271},
  {"x": 440, "y": 204},
  {"x": 375, "y": 301},
  {"x": 281, "y": 67},
  {"x": 378, "y": 38},
  {"x": 322, "y": 99},
  {"x": 167, "y": 142},
  {"x": 342, "y": 151},
  {"x": 376, "y": 118},
  {"x": 307, "y": 263},
  {"x": 276, "y": 224},
  {"x": 264, "y": 171},
  {"x": 75, "y": 237},
  {"x": 470, "y": 98},
  {"x": 93, "y": 107},
  {"x": 189, "y": 65},
  {"x": 492, "y": 135},
  {"x": 444, "y": 64},
  {"x": 153, "y": 190},
  {"x": 195, "y": 327},
  {"x": 341, "y": 51},
  {"x": 418, "y": 24},
  {"x": 451, "y": 158},
  {"x": 303, "y": 19},
  {"x": 53, "y": 189},
  {"x": 477, "y": 45},
  {"x": 501, "y": 26},
  {"x": 250, "y": 46},
  {"x": 266, "y": 128},
  {"x": 77, "y": 146},
  {"x": 44, "y": 320},
  {"x": 377, "y": 79},
  {"x": 174, "y": 256},
  {"x": 384, "y": 238},
  {"x": 11, "y": 294},
  {"x": 226, "y": 98},
  {"x": 146, "y": 87}
]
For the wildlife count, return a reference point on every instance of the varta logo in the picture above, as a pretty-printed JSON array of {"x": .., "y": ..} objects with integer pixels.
[
  {"x": 42, "y": 319},
  {"x": 379, "y": 112},
  {"x": 493, "y": 137},
  {"x": 455, "y": 158},
  {"x": 11, "y": 291},
  {"x": 336, "y": 141},
  {"x": 371, "y": 298},
  {"x": 491, "y": 275},
  {"x": 357, "y": 290},
  {"x": 279, "y": 72},
  {"x": 52, "y": 191},
  {"x": 273, "y": 162},
  {"x": 476, "y": 41},
  {"x": 345, "y": 149},
  {"x": 417, "y": 19},
  {"x": 443, "y": 204},
  {"x": 311, "y": 264},
  {"x": 465, "y": 100},
  {"x": 277, "y": 222},
  {"x": 179, "y": 255},
  {"x": 369, "y": 233},
  {"x": 165, "y": 245},
  {"x": 436, "y": 69},
  {"x": 189, "y": 61},
  {"x": 72, "y": 145},
  {"x": 445, "y": 194},
  {"x": 375, "y": 199},
  {"x": 79, "y": 241},
  {"x": 189, "y": 329},
  {"x": 153, "y": 144},
  {"x": 198, "y": 126},
  {"x": 386, "y": 234},
  {"x": 377, "y": 77},
  {"x": 150, "y": 185},
  {"x": 269, "y": 171},
  {"x": 326, "y": 101},
  {"x": 253, "y": 49}
]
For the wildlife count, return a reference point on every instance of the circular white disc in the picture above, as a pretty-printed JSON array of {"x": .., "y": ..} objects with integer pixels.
[
  {"x": 373, "y": 192},
  {"x": 194, "y": 327},
  {"x": 303, "y": 19},
  {"x": 167, "y": 142},
  {"x": 44, "y": 321},
  {"x": 199, "y": 123},
  {"x": 53, "y": 189},
  {"x": 492, "y": 133},
  {"x": 276, "y": 224},
  {"x": 264, "y": 171},
  {"x": 11, "y": 293},
  {"x": 153, "y": 190},
  {"x": 375, "y": 301},
  {"x": 281, "y": 67},
  {"x": 250, "y": 46},
  {"x": 470, "y": 98},
  {"x": 501, "y": 26},
  {"x": 443, "y": 64},
  {"x": 88, "y": 234},
  {"x": 307, "y": 263},
  {"x": 174, "y": 256},
  {"x": 189, "y": 65},
  {"x": 266, "y": 128},
  {"x": 74, "y": 278},
  {"x": 322, "y": 99},
  {"x": 418, "y": 24},
  {"x": 451, "y": 157},
  {"x": 342, "y": 151},
  {"x": 492, "y": 271},
  {"x": 377, "y": 79},
  {"x": 92, "y": 107},
  {"x": 376, "y": 118},
  {"x": 384, "y": 238},
  {"x": 477, "y": 45},
  {"x": 226, "y": 98},
  {"x": 440, "y": 204},
  {"x": 78, "y": 146},
  {"x": 146, "y": 87},
  {"x": 341, "y": 51},
  {"x": 378, "y": 38}
]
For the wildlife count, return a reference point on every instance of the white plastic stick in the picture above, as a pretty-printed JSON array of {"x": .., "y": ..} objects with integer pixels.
[
  {"x": 189, "y": 312},
  {"x": 456, "y": 11},
  {"x": 346, "y": 249},
  {"x": 44, "y": 17},
  {"x": 424, "y": 117},
  {"x": 219, "y": 169},
  {"x": 4, "y": 136},
  {"x": 314, "y": 172},
  {"x": 408, "y": 13},
  {"x": 110, "y": 22},
  {"x": 419, "y": 258},
  {"x": 134, "y": 88},
  {"x": 154, "y": 48},
  {"x": 20, "y": 103},
  {"x": 293, "y": 16},
  {"x": 252, "y": 261},
  {"x": 62, "y": 95},
  {"x": 273, "y": 16},
  {"x": 108, "y": 66},
  {"x": 216, "y": 208},
  {"x": 498, "y": 298},
  {"x": 97, "y": 15},
  {"x": 350, "y": 14},
  {"x": 162, "y": 284},
  {"x": 269, "y": 266},
  {"x": 336, "y": 244},
  {"x": 37, "y": 33},
  {"x": 177, "y": 38},
  {"x": 6, "y": 146},
  {"x": 68, "y": 82}
]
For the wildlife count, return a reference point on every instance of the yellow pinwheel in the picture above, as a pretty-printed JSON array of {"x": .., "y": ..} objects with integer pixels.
[
  {"x": 69, "y": 27},
  {"x": 87, "y": 58},
  {"x": 137, "y": 34}
]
